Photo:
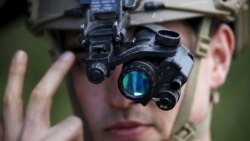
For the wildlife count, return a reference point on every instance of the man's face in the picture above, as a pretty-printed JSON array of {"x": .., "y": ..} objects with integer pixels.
[{"x": 112, "y": 117}]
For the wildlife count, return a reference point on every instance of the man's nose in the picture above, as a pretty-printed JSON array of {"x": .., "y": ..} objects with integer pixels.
[{"x": 115, "y": 98}]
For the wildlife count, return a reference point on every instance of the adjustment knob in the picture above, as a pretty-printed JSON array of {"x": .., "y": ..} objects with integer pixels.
[
  {"x": 97, "y": 73},
  {"x": 167, "y": 38}
]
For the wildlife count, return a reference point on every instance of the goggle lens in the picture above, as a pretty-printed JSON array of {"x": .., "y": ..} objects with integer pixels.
[{"x": 135, "y": 83}]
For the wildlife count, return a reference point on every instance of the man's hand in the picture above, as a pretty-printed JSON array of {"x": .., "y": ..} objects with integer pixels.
[{"x": 33, "y": 124}]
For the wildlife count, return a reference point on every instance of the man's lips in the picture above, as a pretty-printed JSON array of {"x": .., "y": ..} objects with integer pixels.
[{"x": 126, "y": 129}]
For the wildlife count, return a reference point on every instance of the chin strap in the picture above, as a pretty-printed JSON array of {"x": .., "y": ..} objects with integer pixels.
[{"x": 183, "y": 129}]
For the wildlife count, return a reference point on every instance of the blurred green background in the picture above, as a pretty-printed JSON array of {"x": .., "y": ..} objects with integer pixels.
[
  {"x": 15, "y": 37},
  {"x": 231, "y": 118}
]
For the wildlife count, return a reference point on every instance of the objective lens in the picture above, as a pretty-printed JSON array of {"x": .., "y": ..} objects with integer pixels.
[
  {"x": 135, "y": 83},
  {"x": 137, "y": 80}
]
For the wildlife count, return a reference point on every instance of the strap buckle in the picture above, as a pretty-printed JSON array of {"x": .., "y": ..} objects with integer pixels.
[
  {"x": 202, "y": 47},
  {"x": 186, "y": 133}
]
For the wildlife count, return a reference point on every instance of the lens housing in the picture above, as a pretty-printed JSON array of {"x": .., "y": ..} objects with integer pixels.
[{"x": 137, "y": 80}]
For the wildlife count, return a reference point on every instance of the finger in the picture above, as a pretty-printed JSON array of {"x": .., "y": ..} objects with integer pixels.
[
  {"x": 38, "y": 110},
  {"x": 13, "y": 104},
  {"x": 71, "y": 129}
]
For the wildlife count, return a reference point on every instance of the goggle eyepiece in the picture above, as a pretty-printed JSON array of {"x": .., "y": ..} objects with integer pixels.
[
  {"x": 137, "y": 80},
  {"x": 135, "y": 83}
]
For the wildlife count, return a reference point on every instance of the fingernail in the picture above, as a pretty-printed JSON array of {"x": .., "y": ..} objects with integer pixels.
[
  {"x": 18, "y": 57},
  {"x": 67, "y": 56}
]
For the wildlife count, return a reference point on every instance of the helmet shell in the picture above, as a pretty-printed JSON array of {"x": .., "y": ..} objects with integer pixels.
[{"x": 234, "y": 11}]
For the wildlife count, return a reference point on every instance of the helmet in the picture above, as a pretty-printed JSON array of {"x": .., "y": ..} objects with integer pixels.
[{"x": 64, "y": 14}]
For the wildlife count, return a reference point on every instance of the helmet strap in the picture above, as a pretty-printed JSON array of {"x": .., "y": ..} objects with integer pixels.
[{"x": 183, "y": 129}]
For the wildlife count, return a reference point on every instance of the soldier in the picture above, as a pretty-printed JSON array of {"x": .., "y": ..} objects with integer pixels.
[{"x": 213, "y": 30}]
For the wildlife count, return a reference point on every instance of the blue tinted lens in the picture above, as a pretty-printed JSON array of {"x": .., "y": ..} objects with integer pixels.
[{"x": 135, "y": 83}]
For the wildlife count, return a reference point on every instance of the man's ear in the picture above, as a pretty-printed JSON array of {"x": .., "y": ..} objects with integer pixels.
[{"x": 222, "y": 48}]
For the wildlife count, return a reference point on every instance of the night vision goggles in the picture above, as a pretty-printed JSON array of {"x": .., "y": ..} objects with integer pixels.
[{"x": 155, "y": 65}]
